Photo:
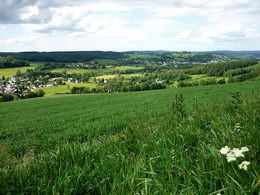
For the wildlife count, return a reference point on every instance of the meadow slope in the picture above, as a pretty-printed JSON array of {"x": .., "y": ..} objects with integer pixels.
[{"x": 146, "y": 142}]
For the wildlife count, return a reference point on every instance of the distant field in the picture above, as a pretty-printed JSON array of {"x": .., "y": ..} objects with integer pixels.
[
  {"x": 74, "y": 70},
  {"x": 110, "y": 76},
  {"x": 127, "y": 76},
  {"x": 37, "y": 63},
  {"x": 111, "y": 69},
  {"x": 9, "y": 72},
  {"x": 186, "y": 54},
  {"x": 197, "y": 76},
  {"x": 204, "y": 76},
  {"x": 106, "y": 61},
  {"x": 144, "y": 56},
  {"x": 50, "y": 91},
  {"x": 108, "y": 69}
]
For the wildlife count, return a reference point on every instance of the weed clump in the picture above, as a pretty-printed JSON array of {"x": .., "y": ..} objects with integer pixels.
[
  {"x": 235, "y": 101},
  {"x": 178, "y": 108}
]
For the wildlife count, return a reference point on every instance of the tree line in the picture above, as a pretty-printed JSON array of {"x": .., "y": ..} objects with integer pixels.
[
  {"x": 69, "y": 56},
  {"x": 12, "y": 62},
  {"x": 232, "y": 79},
  {"x": 218, "y": 69}
]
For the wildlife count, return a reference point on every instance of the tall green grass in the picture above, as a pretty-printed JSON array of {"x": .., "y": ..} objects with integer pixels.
[{"x": 132, "y": 143}]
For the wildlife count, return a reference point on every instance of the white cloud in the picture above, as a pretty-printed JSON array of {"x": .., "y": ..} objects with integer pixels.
[
  {"x": 76, "y": 34},
  {"x": 184, "y": 34},
  {"x": 2, "y": 27},
  {"x": 135, "y": 21},
  {"x": 133, "y": 37},
  {"x": 19, "y": 40},
  {"x": 227, "y": 31},
  {"x": 251, "y": 33},
  {"x": 31, "y": 11}
]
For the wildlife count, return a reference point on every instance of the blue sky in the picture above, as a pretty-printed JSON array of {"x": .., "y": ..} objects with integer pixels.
[{"x": 121, "y": 25}]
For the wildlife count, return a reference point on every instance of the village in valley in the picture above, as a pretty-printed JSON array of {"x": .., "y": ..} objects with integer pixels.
[{"x": 96, "y": 71}]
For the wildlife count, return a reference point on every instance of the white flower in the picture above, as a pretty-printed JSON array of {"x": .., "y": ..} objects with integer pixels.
[
  {"x": 218, "y": 193},
  {"x": 244, "y": 165},
  {"x": 233, "y": 154},
  {"x": 231, "y": 157},
  {"x": 237, "y": 125},
  {"x": 244, "y": 149},
  {"x": 225, "y": 150},
  {"x": 237, "y": 153}
]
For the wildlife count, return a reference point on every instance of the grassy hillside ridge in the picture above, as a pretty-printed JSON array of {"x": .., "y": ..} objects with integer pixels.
[
  {"x": 50, "y": 113},
  {"x": 9, "y": 72},
  {"x": 127, "y": 76},
  {"x": 63, "y": 89},
  {"x": 130, "y": 142},
  {"x": 108, "y": 69}
]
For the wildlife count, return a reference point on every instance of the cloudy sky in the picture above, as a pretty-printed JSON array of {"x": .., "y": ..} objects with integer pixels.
[{"x": 121, "y": 25}]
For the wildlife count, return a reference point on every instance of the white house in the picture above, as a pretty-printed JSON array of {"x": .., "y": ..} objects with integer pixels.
[
  {"x": 159, "y": 81},
  {"x": 10, "y": 86},
  {"x": 13, "y": 79}
]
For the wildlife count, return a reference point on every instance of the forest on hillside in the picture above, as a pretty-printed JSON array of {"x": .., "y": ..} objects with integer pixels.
[
  {"x": 9, "y": 62},
  {"x": 70, "y": 56}
]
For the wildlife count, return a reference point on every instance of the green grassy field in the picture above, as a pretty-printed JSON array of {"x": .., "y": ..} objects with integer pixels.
[
  {"x": 9, "y": 72},
  {"x": 108, "y": 69},
  {"x": 144, "y": 56},
  {"x": 109, "y": 76},
  {"x": 141, "y": 142},
  {"x": 105, "y": 61},
  {"x": 111, "y": 68},
  {"x": 37, "y": 63},
  {"x": 199, "y": 77},
  {"x": 76, "y": 70},
  {"x": 50, "y": 91},
  {"x": 127, "y": 76}
]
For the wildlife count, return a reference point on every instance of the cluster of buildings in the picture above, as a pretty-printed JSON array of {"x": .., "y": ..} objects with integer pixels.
[
  {"x": 173, "y": 62},
  {"x": 15, "y": 85},
  {"x": 83, "y": 65}
]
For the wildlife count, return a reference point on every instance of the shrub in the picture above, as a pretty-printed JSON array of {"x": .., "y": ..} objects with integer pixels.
[
  {"x": 231, "y": 80},
  {"x": 235, "y": 100},
  {"x": 202, "y": 82},
  {"x": 181, "y": 84},
  {"x": 80, "y": 90},
  {"x": 210, "y": 81},
  {"x": 194, "y": 83},
  {"x": 32, "y": 94},
  {"x": 221, "y": 81},
  {"x": 6, "y": 98},
  {"x": 39, "y": 93}
]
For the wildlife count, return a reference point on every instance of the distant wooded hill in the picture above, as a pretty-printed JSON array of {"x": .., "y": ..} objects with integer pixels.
[
  {"x": 70, "y": 56},
  {"x": 134, "y": 57},
  {"x": 255, "y": 54},
  {"x": 10, "y": 62}
]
